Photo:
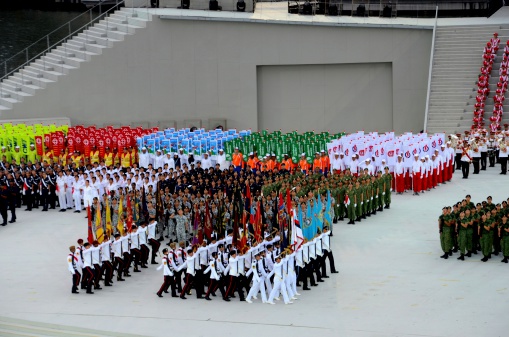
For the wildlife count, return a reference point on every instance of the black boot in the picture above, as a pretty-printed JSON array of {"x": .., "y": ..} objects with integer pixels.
[
  {"x": 445, "y": 256},
  {"x": 484, "y": 259},
  {"x": 505, "y": 259},
  {"x": 469, "y": 254},
  {"x": 351, "y": 222},
  {"x": 462, "y": 257}
]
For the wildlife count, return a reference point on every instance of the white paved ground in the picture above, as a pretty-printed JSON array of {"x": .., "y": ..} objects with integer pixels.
[{"x": 391, "y": 282}]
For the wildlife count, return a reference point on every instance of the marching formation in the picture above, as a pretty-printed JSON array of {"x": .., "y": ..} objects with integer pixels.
[
  {"x": 468, "y": 228},
  {"x": 265, "y": 267}
]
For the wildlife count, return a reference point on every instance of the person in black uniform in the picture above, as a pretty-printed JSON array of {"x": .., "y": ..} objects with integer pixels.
[
  {"x": 45, "y": 185},
  {"x": 52, "y": 189},
  {"x": 3, "y": 203},
  {"x": 29, "y": 190},
  {"x": 36, "y": 179},
  {"x": 13, "y": 198}
]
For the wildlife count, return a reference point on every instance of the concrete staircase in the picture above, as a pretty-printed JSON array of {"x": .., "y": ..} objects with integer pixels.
[
  {"x": 60, "y": 61},
  {"x": 456, "y": 63}
]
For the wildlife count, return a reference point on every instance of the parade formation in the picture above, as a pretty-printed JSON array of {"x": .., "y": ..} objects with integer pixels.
[{"x": 216, "y": 219}]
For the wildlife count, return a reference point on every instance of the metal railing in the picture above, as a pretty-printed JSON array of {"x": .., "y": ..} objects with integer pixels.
[{"x": 54, "y": 38}]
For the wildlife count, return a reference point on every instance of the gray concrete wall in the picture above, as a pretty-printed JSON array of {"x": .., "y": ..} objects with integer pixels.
[
  {"x": 186, "y": 69},
  {"x": 317, "y": 97}
]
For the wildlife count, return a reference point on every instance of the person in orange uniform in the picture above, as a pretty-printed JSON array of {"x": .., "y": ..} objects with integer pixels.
[
  {"x": 252, "y": 162},
  {"x": 317, "y": 163},
  {"x": 325, "y": 162},
  {"x": 94, "y": 156},
  {"x": 108, "y": 157},
  {"x": 288, "y": 162},
  {"x": 125, "y": 159},
  {"x": 303, "y": 164},
  {"x": 272, "y": 162},
  {"x": 237, "y": 160}
]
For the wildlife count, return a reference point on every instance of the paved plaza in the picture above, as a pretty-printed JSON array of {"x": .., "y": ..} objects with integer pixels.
[{"x": 391, "y": 283}]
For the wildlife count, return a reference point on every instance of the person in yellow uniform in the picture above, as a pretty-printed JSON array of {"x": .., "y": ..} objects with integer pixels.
[
  {"x": 76, "y": 158},
  {"x": 17, "y": 155},
  {"x": 7, "y": 154},
  {"x": 62, "y": 159},
  {"x": 116, "y": 157},
  {"x": 125, "y": 161},
  {"x": 134, "y": 154},
  {"x": 94, "y": 156},
  {"x": 32, "y": 154},
  {"x": 108, "y": 157}
]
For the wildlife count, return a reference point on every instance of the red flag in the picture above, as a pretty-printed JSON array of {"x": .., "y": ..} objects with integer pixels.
[
  {"x": 288, "y": 202},
  {"x": 86, "y": 148},
  {"x": 258, "y": 223},
  {"x": 90, "y": 232},
  {"x": 38, "y": 145}
]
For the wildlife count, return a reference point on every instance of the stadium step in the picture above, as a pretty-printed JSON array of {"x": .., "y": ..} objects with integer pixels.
[
  {"x": 456, "y": 63},
  {"x": 69, "y": 55}
]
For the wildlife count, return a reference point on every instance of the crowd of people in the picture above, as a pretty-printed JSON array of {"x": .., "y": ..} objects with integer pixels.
[
  {"x": 234, "y": 220},
  {"x": 264, "y": 267},
  {"x": 468, "y": 228}
]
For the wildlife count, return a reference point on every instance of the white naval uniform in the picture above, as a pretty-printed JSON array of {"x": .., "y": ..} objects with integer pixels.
[
  {"x": 62, "y": 190},
  {"x": 279, "y": 284}
]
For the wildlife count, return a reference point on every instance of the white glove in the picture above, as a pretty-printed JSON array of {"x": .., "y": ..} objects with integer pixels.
[
  {"x": 355, "y": 205},
  {"x": 383, "y": 193}
]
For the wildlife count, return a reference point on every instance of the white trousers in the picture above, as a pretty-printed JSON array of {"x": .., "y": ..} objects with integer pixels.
[
  {"x": 61, "y": 198},
  {"x": 258, "y": 286},
  {"x": 68, "y": 196},
  {"x": 279, "y": 286},
  {"x": 77, "y": 200}
]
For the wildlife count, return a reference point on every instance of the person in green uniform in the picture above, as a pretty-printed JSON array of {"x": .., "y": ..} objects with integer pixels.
[
  {"x": 340, "y": 201},
  {"x": 469, "y": 202},
  {"x": 497, "y": 216},
  {"x": 352, "y": 206},
  {"x": 445, "y": 230},
  {"x": 461, "y": 229},
  {"x": 388, "y": 187},
  {"x": 359, "y": 192},
  {"x": 476, "y": 217},
  {"x": 489, "y": 205},
  {"x": 504, "y": 234},
  {"x": 455, "y": 214},
  {"x": 471, "y": 229},
  {"x": 375, "y": 189},
  {"x": 484, "y": 233},
  {"x": 368, "y": 196}
]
